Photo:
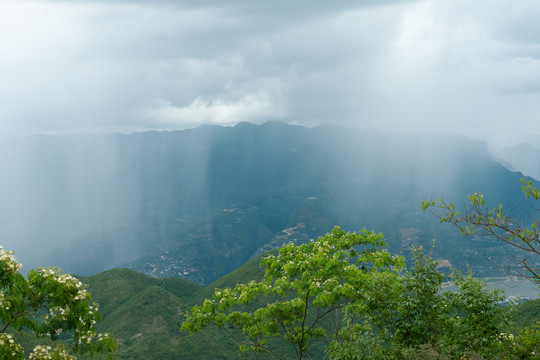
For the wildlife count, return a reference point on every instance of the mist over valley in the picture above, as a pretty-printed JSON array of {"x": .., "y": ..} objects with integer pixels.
[{"x": 199, "y": 203}]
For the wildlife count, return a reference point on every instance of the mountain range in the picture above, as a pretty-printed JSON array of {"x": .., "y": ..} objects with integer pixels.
[
  {"x": 524, "y": 157},
  {"x": 199, "y": 203}
]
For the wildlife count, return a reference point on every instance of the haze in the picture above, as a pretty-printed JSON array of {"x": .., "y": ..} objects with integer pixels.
[
  {"x": 71, "y": 67},
  {"x": 471, "y": 67}
]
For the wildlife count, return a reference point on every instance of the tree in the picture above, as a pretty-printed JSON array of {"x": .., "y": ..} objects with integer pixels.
[
  {"x": 346, "y": 291},
  {"x": 48, "y": 303},
  {"x": 474, "y": 318},
  {"x": 307, "y": 290},
  {"x": 430, "y": 324},
  {"x": 477, "y": 219},
  {"x": 420, "y": 306}
]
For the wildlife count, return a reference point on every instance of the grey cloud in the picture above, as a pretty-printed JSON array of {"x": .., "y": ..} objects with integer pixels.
[
  {"x": 133, "y": 65},
  {"x": 519, "y": 22}
]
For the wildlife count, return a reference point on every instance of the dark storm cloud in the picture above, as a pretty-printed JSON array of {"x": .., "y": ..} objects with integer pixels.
[{"x": 455, "y": 65}]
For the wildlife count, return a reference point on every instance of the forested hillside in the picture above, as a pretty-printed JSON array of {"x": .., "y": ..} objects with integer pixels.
[
  {"x": 145, "y": 314},
  {"x": 199, "y": 203}
]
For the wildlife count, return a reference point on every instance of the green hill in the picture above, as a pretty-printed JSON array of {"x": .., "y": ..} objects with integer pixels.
[
  {"x": 145, "y": 313},
  {"x": 527, "y": 313}
]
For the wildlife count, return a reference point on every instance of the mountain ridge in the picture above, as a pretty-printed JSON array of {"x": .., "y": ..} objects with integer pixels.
[{"x": 200, "y": 202}]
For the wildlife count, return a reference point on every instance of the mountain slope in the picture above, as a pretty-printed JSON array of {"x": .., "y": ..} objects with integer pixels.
[
  {"x": 199, "y": 203},
  {"x": 523, "y": 157},
  {"x": 145, "y": 314}
]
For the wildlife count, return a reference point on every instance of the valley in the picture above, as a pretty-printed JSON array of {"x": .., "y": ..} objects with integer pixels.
[{"x": 199, "y": 203}]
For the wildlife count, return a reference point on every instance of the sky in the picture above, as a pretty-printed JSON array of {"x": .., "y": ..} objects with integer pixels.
[{"x": 465, "y": 66}]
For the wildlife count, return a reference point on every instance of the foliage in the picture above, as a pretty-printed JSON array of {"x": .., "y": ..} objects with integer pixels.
[
  {"x": 527, "y": 313},
  {"x": 527, "y": 342},
  {"x": 414, "y": 317},
  {"x": 420, "y": 306},
  {"x": 429, "y": 324},
  {"x": 146, "y": 322},
  {"x": 474, "y": 319},
  {"x": 345, "y": 290},
  {"x": 302, "y": 286},
  {"x": 477, "y": 219},
  {"x": 424, "y": 352},
  {"x": 50, "y": 304},
  {"x": 144, "y": 314}
]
